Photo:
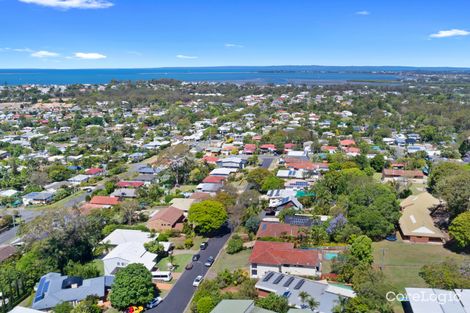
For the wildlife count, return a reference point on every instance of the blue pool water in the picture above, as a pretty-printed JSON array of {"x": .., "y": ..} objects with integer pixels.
[{"x": 330, "y": 255}]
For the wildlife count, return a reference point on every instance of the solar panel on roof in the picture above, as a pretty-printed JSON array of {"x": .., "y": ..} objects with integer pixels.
[
  {"x": 299, "y": 284},
  {"x": 268, "y": 277},
  {"x": 288, "y": 282},
  {"x": 278, "y": 279}
]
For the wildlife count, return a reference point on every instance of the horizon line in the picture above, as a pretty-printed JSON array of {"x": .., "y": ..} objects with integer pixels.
[{"x": 240, "y": 66}]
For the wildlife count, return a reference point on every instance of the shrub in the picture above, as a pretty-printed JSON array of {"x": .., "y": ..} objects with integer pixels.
[
  {"x": 235, "y": 244},
  {"x": 188, "y": 243}
]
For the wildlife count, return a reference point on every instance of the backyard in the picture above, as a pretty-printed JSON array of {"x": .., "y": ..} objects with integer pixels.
[{"x": 401, "y": 261}]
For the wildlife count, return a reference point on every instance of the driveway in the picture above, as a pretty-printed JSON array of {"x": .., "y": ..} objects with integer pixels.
[{"x": 183, "y": 290}]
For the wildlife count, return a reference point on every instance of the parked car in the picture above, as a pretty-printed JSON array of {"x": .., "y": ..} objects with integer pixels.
[
  {"x": 135, "y": 309},
  {"x": 197, "y": 281},
  {"x": 189, "y": 266},
  {"x": 154, "y": 302},
  {"x": 209, "y": 261},
  {"x": 196, "y": 257},
  {"x": 204, "y": 245}
]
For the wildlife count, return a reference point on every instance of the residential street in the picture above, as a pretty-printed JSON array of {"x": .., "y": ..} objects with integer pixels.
[{"x": 182, "y": 292}]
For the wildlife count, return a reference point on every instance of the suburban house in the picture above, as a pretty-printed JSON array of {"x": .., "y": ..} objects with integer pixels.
[
  {"x": 104, "y": 200},
  {"x": 120, "y": 236},
  {"x": 78, "y": 179},
  {"x": 167, "y": 219},
  {"x": 129, "y": 184},
  {"x": 38, "y": 198},
  {"x": 147, "y": 179},
  {"x": 458, "y": 300},
  {"x": 124, "y": 193},
  {"x": 286, "y": 202},
  {"x": 416, "y": 223},
  {"x": 182, "y": 204},
  {"x": 238, "y": 306},
  {"x": 271, "y": 229},
  {"x": 128, "y": 253},
  {"x": 282, "y": 257},
  {"x": 94, "y": 171},
  {"x": 223, "y": 171},
  {"x": 414, "y": 175},
  {"x": 53, "y": 288},
  {"x": 290, "y": 287},
  {"x": 232, "y": 162}
]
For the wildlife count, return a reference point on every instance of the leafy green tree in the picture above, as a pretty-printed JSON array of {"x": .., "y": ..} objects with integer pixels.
[
  {"x": 154, "y": 247},
  {"x": 272, "y": 182},
  {"x": 459, "y": 229},
  {"x": 205, "y": 305},
  {"x": 361, "y": 249},
  {"x": 257, "y": 176},
  {"x": 455, "y": 190},
  {"x": 274, "y": 303},
  {"x": 252, "y": 224},
  {"x": 88, "y": 270},
  {"x": 443, "y": 170},
  {"x": 378, "y": 162},
  {"x": 235, "y": 244},
  {"x": 63, "y": 307},
  {"x": 132, "y": 286},
  {"x": 87, "y": 306},
  {"x": 207, "y": 216},
  {"x": 446, "y": 275}
]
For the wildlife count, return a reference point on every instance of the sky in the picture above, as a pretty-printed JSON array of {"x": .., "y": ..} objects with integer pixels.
[{"x": 181, "y": 33}]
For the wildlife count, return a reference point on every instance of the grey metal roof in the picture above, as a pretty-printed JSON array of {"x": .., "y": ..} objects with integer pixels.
[
  {"x": 54, "y": 288},
  {"x": 425, "y": 300},
  {"x": 288, "y": 286}
]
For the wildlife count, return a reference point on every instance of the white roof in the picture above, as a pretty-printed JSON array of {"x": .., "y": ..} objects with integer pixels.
[
  {"x": 21, "y": 309},
  {"x": 8, "y": 193},
  {"x": 223, "y": 171},
  {"x": 133, "y": 252},
  {"x": 120, "y": 236}
]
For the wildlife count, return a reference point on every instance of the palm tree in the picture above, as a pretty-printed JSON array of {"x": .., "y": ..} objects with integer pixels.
[
  {"x": 312, "y": 303},
  {"x": 341, "y": 305},
  {"x": 303, "y": 295}
]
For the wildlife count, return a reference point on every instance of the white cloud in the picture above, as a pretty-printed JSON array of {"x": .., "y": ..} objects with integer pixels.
[
  {"x": 89, "y": 56},
  {"x": 44, "y": 54},
  {"x": 16, "y": 50},
  {"x": 233, "y": 45},
  {"x": 450, "y": 33},
  {"x": 362, "y": 13},
  {"x": 182, "y": 56},
  {"x": 72, "y": 4}
]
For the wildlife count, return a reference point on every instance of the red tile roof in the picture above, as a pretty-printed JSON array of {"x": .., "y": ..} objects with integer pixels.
[
  {"x": 267, "y": 229},
  {"x": 214, "y": 179},
  {"x": 347, "y": 142},
  {"x": 328, "y": 148},
  {"x": 268, "y": 146},
  {"x": 289, "y": 145},
  {"x": 87, "y": 208},
  {"x": 104, "y": 200},
  {"x": 279, "y": 253},
  {"x": 124, "y": 184},
  {"x": 210, "y": 159},
  {"x": 93, "y": 171},
  {"x": 403, "y": 173}
]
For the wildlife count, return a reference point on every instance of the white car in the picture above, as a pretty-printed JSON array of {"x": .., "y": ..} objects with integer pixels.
[
  {"x": 197, "y": 281},
  {"x": 154, "y": 302}
]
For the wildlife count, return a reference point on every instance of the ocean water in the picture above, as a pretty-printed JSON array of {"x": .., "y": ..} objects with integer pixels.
[{"x": 259, "y": 75}]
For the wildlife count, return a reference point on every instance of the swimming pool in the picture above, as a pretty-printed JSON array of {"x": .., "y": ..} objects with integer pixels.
[{"x": 330, "y": 255}]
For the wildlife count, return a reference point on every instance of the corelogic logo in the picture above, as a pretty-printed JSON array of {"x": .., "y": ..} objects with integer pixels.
[{"x": 422, "y": 296}]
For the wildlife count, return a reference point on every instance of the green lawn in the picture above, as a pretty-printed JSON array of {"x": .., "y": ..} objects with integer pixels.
[
  {"x": 197, "y": 240},
  {"x": 231, "y": 261},
  {"x": 59, "y": 204},
  {"x": 179, "y": 261},
  {"x": 401, "y": 261}
]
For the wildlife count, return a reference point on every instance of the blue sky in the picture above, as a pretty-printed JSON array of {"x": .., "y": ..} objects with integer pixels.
[{"x": 160, "y": 33}]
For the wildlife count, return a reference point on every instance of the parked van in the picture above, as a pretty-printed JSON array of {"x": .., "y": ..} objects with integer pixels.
[{"x": 162, "y": 275}]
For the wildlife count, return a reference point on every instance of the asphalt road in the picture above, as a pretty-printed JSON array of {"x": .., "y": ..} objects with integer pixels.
[
  {"x": 182, "y": 292},
  {"x": 26, "y": 215}
]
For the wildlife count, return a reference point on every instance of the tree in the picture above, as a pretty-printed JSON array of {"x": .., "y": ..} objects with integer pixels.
[
  {"x": 88, "y": 270},
  {"x": 272, "y": 182},
  {"x": 459, "y": 229},
  {"x": 441, "y": 171},
  {"x": 235, "y": 244},
  {"x": 207, "y": 216},
  {"x": 455, "y": 190},
  {"x": 446, "y": 275},
  {"x": 87, "y": 306},
  {"x": 274, "y": 303},
  {"x": 154, "y": 247},
  {"x": 132, "y": 286},
  {"x": 257, "y": 176},
  {"x": 205, "y": 305},
  {"x": 252, "y": 224},
  {"x": 378, "y": 162},
  {"x": 308, "y": 300},
  {"x": 63, "y": 307},
  {"x": 361, "y": 249}
]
